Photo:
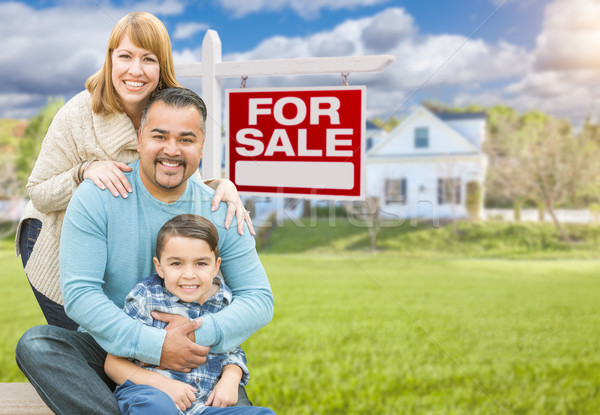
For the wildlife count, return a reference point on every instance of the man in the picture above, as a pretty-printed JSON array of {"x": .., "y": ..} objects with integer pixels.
[{"x": 107, "y": 245}]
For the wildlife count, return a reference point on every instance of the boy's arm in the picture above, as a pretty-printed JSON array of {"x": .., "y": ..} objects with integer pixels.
[
  {"x": 120, "y": 369},
  {"x": 237, "y": 358},
  {"x": 225, "y": 392}
]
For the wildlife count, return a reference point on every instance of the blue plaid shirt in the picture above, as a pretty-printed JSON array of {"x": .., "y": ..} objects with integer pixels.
[{"x": 150, "y": 295}]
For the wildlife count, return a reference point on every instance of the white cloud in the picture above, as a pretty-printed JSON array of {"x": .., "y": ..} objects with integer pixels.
[
  {"x": 157, "y": 7},
  {"x": 421, "y": 61},
  {"x": 52, "y": 51},
  {"x": 51, "y": 58},
  {"x": 16, "y": 105},
  {"x": 570, "y": 37},
  {"x": 564, "y": 79},
  {"x": 188, "y": 29},
  {"x": 304, "y": 8}
]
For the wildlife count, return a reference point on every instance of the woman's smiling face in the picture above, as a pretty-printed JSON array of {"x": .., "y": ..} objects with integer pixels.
[{"x": 135, "y": 73}]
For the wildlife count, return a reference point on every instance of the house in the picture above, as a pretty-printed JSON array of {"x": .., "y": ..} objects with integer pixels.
[
  {"x": 422, "y": 168},
  {"x": 373, "y": 134}
]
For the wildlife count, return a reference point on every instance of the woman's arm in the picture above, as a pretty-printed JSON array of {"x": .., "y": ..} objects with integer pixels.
[
  {"x": 52, "y": 183},
  {"x": 225, "y": 191},
  {"x": 120, "y": 369},
  {"x": 65, "y": 159}
]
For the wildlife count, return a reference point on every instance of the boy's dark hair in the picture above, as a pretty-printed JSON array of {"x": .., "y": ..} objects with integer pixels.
[
  {"x": 177, "y": 97},
  {"x": 188, "y": 226}
]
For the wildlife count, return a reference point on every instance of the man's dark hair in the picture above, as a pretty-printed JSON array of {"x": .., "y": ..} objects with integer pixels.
[
  {"x": 188, "y": 226},
  {"x": 177, "y": 97}
]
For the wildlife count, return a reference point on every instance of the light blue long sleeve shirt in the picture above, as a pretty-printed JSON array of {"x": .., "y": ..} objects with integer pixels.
[{"x": 107, "y": 246}]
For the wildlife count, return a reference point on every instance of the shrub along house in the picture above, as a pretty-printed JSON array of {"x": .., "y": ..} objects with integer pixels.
[{"x": 430, "y": 166}]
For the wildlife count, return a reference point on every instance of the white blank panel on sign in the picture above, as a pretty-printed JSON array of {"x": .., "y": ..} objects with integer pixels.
[{"x": 316, "y": 175}]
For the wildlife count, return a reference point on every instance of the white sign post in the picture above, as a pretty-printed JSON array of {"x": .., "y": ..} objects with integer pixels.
[{"x": 212, "y": 69}]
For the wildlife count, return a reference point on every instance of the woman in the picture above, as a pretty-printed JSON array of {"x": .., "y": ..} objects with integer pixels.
[{"x": 94, "y": 136}]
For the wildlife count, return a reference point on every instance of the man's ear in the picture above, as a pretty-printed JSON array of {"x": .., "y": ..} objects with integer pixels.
[{"x": 159, "y": 269}]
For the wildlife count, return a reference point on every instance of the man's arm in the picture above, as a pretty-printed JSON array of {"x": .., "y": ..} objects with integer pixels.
[
  {"x": 83, "y": 261},
  {"x": 252, "y": 305},
  {"x": 179, "y": 352}
]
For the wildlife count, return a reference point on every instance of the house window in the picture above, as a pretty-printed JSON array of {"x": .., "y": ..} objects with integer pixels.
[
  {"x": 395, "y": 191},
  {"x": 421, "y": 137},
  {"x": 449, "y": 190}
]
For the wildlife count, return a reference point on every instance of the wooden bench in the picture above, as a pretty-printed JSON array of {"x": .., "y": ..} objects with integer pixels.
[{"x": 21, "y": 399}]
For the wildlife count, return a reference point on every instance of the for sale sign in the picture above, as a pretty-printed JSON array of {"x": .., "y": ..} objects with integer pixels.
[{"x": 302, "y": 142}]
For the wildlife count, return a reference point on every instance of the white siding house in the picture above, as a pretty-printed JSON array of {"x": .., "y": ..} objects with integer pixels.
[{"x": 421, "y": 168}]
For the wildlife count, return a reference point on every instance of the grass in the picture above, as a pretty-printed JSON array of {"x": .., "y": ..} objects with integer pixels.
[
  {"x": 357, "y": 333},
  {"x": 374, "y": 334},
  {"x": 18, "y": 311}
]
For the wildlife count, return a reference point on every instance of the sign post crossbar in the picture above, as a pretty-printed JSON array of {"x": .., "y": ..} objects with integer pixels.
[{"x": 212, "y": 69}]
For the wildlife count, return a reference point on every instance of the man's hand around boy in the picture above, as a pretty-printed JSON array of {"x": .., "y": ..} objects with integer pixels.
[
  {"x": 225, "y": 392},
  {"x": 179, "y": 352},
  {"x": 181, "y": 393}
]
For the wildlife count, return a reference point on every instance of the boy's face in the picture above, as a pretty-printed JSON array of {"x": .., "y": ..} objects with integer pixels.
[{"x": 188, "y": 267}]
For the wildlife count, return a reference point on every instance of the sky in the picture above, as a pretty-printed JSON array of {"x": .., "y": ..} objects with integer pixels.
[{"x": 527, "y": 54}]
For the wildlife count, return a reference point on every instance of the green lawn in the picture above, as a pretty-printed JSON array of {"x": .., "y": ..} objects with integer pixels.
[
  {"x": 358, "y": 334},
  {"x": 18, "y": 311}
]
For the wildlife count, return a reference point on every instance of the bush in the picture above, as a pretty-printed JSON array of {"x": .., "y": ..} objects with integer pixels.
[
  {"x": 472, "y": 239},
  {"x": 595, "y": 212},
  {"x": 474, "y": 200}
]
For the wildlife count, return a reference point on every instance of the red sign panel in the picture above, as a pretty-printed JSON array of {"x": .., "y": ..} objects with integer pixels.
[{"x": 303, "y": 142}]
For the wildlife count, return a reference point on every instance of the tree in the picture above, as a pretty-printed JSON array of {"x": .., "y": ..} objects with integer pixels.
[
  {"x": 503, "y": 186},
  {"x": 438, "y": 107},
  {"x": 589, "y": 137},
  {"x": 590, "y": 131},
  {"x": 387, "y": 125},
  {"x": 536, "y": 157},
  {"x": 435, "y": 106},
  {"x": 31, "y": 142},
  {"x": 367, "y": 213}
]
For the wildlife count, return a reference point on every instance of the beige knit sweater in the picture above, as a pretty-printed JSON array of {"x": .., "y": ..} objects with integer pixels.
[{"x": 76, "y": 134}]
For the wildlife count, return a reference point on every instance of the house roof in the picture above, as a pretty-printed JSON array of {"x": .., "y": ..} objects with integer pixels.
[
  {"x": 452, "y": 133},
  {"x": 371, "y": 126},
  {"x": 453, "y": 116}
]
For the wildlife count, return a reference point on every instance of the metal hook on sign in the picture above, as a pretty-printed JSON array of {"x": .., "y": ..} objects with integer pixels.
[
  {"x": 345, "y": 78},
  {"x": 243, "y": 84}
]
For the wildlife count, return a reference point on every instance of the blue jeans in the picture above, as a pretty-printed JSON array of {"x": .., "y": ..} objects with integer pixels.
[
  {"x": 53, "y": 312},
  {"x": 147, "y": 400},
  {"x": 66, "y": 368}
]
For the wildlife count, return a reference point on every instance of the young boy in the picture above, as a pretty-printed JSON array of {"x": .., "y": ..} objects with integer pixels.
[{"x": 187, "y": 262}]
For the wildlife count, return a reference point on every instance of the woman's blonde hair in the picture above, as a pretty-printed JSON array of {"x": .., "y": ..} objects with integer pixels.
[{"x": 145, "y": 31}]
